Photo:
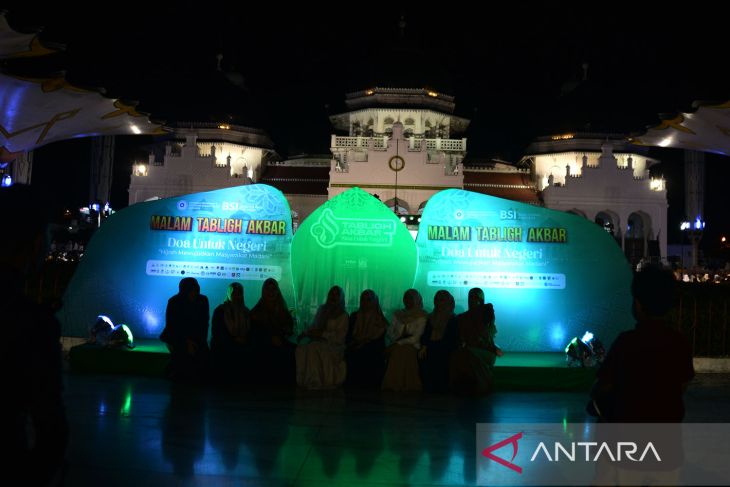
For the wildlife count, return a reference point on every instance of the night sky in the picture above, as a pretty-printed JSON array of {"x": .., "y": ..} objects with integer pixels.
[{"x": 516, "y": 72}]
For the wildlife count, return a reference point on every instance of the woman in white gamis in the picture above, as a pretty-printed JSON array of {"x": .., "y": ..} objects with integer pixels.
[
  {"x": 320, "y": 361},
  {"x": 404, "y": 334}
]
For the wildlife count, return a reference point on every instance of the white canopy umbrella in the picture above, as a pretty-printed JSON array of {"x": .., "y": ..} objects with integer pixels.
[
  {"x": 37, "y": 111},
  {"x": 707, "y": 129}
]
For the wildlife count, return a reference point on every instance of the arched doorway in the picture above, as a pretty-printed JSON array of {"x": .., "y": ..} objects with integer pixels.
[
  {"x": 609, "y": 221},
  {"x": 638, "y": 235},
  {"x": 400, "y": 207}
]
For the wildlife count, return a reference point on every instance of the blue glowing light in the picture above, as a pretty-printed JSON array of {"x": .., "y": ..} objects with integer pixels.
[
  {"x": 587, "y": 337},
  {"x": 132, "y": 267},
  {"x": 151, "y": 322},
  {"x": 557, "y": 335},
  {"x": 7, "y": 181},
  {"x": 539, "y": 291}
]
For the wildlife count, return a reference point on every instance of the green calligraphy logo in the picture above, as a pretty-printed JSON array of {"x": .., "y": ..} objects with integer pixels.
[
  {"x": 330, "y": 231},
  {"x": 325, "y": 231}
]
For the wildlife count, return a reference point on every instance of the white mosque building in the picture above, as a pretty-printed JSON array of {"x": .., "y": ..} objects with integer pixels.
[
  {"x": 605, "y": 179},
  {"x": 202, "y": 157},
  {"x": 404, "y": 145}
]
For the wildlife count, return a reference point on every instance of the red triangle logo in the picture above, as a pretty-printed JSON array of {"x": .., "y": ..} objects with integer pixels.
[{"x": 512, "y": 440}]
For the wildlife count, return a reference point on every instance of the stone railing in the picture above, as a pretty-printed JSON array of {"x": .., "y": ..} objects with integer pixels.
[
  {"x": 448, "y": 145},
  {"x": 458, "y": 145},
  {"x": 295, "y": 163},
  {"x": 484, "y": 168},
  {"x": 345, "y": 142}
]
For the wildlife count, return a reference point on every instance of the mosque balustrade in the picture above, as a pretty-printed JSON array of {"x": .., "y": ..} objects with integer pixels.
[
  {"x": 452, "y": 145},
  {"x": 345, "y": 142},
  {"x": 414, "y": 143}
]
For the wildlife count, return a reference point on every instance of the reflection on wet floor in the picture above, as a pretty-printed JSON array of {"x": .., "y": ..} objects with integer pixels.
[{"x": 149, "y": 432}]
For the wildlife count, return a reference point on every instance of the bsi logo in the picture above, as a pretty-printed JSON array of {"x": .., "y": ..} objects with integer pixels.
[
  {"x": 508, "y": 215},
  {"x": 230, "y": 206}
]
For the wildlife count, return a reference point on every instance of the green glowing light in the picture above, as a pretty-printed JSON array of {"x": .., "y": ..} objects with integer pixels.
[
  {"x": 356, "y": 242},
  {"x": 127, "y": 406}
]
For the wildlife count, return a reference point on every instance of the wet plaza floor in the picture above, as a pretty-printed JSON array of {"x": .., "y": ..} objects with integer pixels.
[{"x": 148, "y": 432}]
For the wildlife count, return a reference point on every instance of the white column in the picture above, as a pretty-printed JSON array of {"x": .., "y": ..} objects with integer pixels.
[
  {"x": 622, "y": 223},
  {"x": 21, "y": 169}
]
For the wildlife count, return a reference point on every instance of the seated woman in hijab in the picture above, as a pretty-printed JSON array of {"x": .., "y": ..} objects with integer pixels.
[
  {"x": 229, "y": 345},
  {"x": 320, "y": 361},
  {"x": 471, "y": 364},
  {"x": 438, "y": 342},
  {"x": 366, "y": 342},
  {"x": 271, "y": 327},
  {"x": 186, "y": 331},
  {"x": 404, "y": 334}
]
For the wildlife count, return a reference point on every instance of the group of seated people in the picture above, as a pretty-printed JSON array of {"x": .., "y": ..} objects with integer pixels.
[{"x": 437, "y": 351}]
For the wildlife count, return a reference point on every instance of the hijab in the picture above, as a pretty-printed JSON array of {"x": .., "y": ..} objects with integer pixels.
[
  {"x": 330, "y": 310},
  {"x": 413, "y": 313},
  {"x": 369, "y": 324},
  {"x": 272, "y": 312},
  {"x": 235, "y": 313},
  {"x": 440, "y": 316}
]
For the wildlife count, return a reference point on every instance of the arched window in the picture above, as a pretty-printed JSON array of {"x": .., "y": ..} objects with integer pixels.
[
  {"x": 606, "y": 221},
  {"x": 635, "y": 227}
]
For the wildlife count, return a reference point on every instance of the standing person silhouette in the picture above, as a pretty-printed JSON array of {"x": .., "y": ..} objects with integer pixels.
[
  {"x": 438, "y": 343},
  {"x": 37, "y": 439},
  {"x": 643, "y": 380},
  {"x": 366, "y": 343},
  {"x": 471, "y": 364},
  {"x": 230, "y": 350},
  {"x": 646, "y": 370},
  {"x": 271, "y": 327},
  {"x": 186, "y": 331}
]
